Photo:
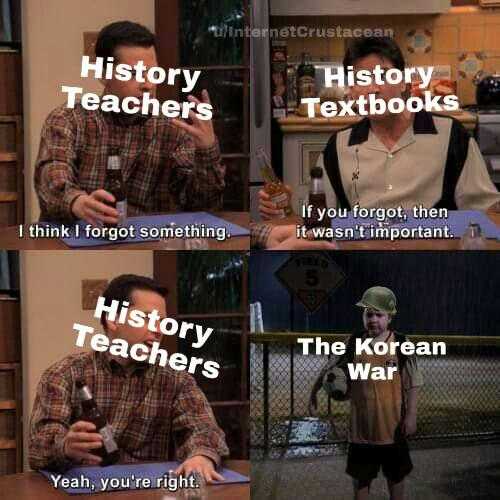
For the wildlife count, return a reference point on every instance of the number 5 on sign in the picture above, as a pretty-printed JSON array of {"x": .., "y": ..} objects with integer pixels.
[{"x": 310, "y": 277}]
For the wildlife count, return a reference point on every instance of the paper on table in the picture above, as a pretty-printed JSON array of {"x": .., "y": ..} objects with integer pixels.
[
  {"x": 457, "y": 221},
  {"x": 148, "y": 221}
]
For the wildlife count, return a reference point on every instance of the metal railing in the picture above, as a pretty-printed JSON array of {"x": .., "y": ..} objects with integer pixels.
[{"x": 460, "y": 397}]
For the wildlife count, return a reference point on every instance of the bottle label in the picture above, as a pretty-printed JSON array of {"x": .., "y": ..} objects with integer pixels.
[
  {"x": 108, "y": 441},
  {"x": 121, "y": 207},
  {"x": 307, "y": 87},
  {"x": 281, "y": 201}
]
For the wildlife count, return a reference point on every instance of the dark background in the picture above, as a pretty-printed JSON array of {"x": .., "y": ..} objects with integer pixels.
[{"x": 437, "y": 292}]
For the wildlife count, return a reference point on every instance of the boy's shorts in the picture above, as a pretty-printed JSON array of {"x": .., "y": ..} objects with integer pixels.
[{"x": 365, "y": 460}]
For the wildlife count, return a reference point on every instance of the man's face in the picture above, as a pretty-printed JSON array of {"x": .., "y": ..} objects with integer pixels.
[
  {"x": 375, "y": 322},
  {"x": 132, "y": 88},
  {"x": 145, "y": 301},
  {"x": 386, "y": 91}
]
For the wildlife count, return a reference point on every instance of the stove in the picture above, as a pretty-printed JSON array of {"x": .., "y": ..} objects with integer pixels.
[{"x": 488, "y": 137}]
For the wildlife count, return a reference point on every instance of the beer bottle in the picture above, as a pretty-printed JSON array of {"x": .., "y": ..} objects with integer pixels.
[
  {"x": 109, "y": 451},
  {"x": 273, "y": 185},
  {"x": 306, "y": 86},
  {"x": 114, "y": 185},
  {"x": 317, "y": 200}
]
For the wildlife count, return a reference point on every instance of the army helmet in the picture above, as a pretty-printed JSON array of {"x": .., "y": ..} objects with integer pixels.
[{"x": 379, "y": 298}]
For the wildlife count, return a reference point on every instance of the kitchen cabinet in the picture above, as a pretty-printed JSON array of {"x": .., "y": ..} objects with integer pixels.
[
  {"x": 11, "y": 414},
  {"x": 11, "y": 139},
  {"x": 356, "y": 7}
]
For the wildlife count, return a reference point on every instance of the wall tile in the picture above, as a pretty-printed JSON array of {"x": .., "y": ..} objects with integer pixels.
[
  {"x": 492, "y": 65},
  {"x": 419, "y": 59},
  {"x": 492, "y": 38},
  {"x": 446, "y": 60},
  {"x": 466, "y": 92},
  {"x": 471, "y": 38},
  {"x": 475, "y": 18},
  {"x": 445, "y": 39},
  {"x": 446, "y": 20},
  {"x": 492, "y": 16}
]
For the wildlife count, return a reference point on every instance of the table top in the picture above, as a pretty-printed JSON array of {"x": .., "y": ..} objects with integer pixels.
[
  {"x": 420, "y": 244},
  {"x": 29, "y": 485},
  {"x": 9, "y": 239}
]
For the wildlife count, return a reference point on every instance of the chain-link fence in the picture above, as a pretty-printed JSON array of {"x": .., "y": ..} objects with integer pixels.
[{"x": 460, "y": 397}]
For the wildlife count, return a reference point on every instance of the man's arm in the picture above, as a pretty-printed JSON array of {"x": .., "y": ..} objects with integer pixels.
[
  {"x": 49, "y": 424},
  {"x": 56, "y": 178},
  {"x": 268, "y": 210},
  {"x": 412, "y": 380},
  {"x": 475, "y": 190},
  {"x": 194, "y": 427},
  {"x": 197, "y": 179}
]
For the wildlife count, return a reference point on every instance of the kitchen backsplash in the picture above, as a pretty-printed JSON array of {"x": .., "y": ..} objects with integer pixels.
[{"x": 466, "y": 38}]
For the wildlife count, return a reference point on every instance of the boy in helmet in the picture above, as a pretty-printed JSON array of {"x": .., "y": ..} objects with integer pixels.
[{"x": 383, "y": 412}]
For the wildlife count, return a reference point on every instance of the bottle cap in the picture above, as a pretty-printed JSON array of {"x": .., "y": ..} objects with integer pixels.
[{"x": 316, "y": 173}]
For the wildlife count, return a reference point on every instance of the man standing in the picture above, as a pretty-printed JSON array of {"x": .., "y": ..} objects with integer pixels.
[
  {"x": 167, "y": 164},
  {"x": 145, "y": 404}
]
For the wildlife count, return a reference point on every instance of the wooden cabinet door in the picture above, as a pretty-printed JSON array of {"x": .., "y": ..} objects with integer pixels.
[{"x": 195, "y": 34}]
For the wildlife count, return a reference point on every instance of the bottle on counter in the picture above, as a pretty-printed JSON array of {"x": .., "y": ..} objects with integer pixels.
[
  {"x": 114, "y": 184},
  {"x": 317, "y": 200},
  {"x": 473, "y": 238},
  {"x": 306, "y": 86},
  {"x": 273, "y": 185},
  {"x": 109, "y": 451}
]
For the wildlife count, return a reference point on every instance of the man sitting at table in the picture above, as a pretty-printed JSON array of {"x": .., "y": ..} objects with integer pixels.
[
  {"x": 145, "y": 404},
  {"x": 168, "y": 164},
  {"x": 399, "y": 159}
]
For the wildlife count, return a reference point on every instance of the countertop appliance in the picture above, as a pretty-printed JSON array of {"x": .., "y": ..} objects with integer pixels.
[
  {"x": 488, "y": 137},
  {"x": 488, "y": 90}
]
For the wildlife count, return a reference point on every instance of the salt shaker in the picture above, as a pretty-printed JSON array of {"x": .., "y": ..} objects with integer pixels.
[{"x": 473, "y": 238}]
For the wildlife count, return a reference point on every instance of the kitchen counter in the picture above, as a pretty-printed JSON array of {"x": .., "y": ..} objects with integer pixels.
[{"x": 298, "y": 124}]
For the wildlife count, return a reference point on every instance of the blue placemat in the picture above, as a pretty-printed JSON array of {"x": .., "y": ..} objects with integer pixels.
[
  {"x": 153, "y": 221},
  {"x": 457, "y": 222},
  {"x": 126, "y": 474}
]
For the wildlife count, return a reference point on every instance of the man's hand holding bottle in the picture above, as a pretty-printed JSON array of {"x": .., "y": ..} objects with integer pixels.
[
  {"x": 80, "y": 441},
  {"x": 96, "y": 208}
]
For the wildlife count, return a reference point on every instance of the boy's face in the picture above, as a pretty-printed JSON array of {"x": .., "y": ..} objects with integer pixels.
[
  {"x": 132, "y": 88},
  {"x": 376, "y": 322}
]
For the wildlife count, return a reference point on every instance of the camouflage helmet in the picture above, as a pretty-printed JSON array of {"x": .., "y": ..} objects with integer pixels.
[{"x": 379, "y": 298}]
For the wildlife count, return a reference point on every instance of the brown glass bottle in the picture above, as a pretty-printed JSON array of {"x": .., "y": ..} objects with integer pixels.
[
  {"x": 114, "y": 185},
  {"x": 317, "y": 200},
  {"x": 109, "y": 451},
  {"x": 273, "y": 185},
  {"x": 306, "y": 86}
]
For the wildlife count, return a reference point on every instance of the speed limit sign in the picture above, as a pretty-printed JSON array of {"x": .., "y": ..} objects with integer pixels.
[{"x": 310, "y": 277}]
